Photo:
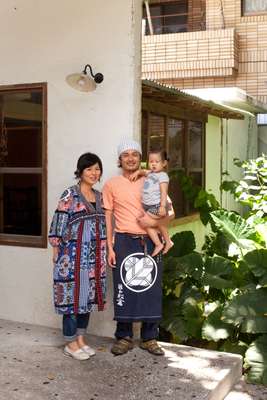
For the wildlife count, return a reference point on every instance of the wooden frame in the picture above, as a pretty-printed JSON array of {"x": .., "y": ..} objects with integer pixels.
[
  {"x": 162, "y": 16},
  {"x": 164, "y": 110},
  {"x": 28, "y": 240}
]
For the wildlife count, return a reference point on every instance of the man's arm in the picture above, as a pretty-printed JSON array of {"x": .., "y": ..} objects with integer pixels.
[{"x": 111, "y": 254}]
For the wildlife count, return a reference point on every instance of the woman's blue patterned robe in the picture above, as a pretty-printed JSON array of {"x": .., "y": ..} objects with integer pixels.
[{"x": 79, "y": 230}]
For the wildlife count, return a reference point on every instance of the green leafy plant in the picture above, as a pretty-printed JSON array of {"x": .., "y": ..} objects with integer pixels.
[{"x": 217, "y": 298}]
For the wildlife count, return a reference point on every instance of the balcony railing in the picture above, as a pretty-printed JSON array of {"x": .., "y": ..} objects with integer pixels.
[{"x": 190, "y": 54}]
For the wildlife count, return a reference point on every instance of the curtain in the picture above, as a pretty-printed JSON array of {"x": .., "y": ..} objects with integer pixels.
[{"x": 251, "y": 6}]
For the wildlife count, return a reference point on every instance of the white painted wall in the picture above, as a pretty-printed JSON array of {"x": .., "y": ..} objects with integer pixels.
[
  {"x": 43, "y": 41},
  {"x": 262, "y": 140},
  {"x": 240, "y": 140}
]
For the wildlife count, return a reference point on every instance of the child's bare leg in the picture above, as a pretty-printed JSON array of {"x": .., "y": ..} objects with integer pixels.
[
  {"x": 164, "y": 231},
  {"x": 153, "y": 234}
]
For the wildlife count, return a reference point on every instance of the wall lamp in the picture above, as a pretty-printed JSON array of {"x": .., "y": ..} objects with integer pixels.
[{"x": 83, "y": 82}]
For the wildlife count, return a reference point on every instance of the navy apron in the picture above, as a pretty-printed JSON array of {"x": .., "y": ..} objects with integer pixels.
[{"x": 137, "y": 279}]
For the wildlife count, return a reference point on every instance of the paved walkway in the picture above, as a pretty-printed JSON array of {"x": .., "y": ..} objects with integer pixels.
[
  {"x": 244, "y": 391},
  {"x": 33, "y": 367}
]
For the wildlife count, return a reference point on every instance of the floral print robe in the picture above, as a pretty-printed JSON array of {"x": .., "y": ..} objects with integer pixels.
[{"x": 78, "y": 229}]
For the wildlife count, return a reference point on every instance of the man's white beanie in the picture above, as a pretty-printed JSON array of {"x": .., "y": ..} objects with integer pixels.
[{"x": 128, "y": 144}]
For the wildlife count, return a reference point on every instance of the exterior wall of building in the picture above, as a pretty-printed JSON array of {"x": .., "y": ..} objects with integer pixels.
[
  {"x": 240, "y": 140},
  {"x": 262, "y": 139},
  {"x": 44, "y": 42},
  {"x": 190, "y": 55},
  {"x": 250, "y": 69},
  {"x": 225, "y": 140}
]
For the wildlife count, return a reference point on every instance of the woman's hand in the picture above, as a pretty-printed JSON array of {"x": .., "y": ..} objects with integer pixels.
[{"x": 111, "y": 258}]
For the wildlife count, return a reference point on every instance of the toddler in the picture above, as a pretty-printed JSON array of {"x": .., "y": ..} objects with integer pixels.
[{"x": 155, "y": 198}]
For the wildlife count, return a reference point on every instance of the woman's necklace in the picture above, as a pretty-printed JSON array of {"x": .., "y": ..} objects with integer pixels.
[{"x": 88, "y": 194}]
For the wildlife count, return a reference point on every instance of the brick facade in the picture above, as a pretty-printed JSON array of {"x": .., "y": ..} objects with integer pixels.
[{"x": 231, "y": 52}]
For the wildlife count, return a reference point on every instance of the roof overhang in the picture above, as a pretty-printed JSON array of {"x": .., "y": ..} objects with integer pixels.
[
  {"x": 177, "y": 98},
  {"x": 231, "y": 96}
]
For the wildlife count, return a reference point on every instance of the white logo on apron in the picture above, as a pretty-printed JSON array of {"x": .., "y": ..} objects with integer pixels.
[{"x": 138, "y": 273}]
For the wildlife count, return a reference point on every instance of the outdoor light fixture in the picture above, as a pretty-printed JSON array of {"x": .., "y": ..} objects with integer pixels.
[{"x": 83, "y": 82}]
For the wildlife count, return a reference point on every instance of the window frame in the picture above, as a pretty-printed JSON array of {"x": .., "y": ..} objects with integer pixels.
[
  {"x": 185, "y": 150},
  {"x": 163, "y": 16},
  {"x": 8, "y": 239},
  {"x": 252, "y": 13}
]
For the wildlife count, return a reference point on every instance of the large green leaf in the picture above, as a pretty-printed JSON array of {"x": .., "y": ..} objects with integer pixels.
[
  {"x": 243, "y": 277},
  {"x": 193, "y": 316},
  {"x": 235, "y": 228},
  {"x": 234, "y": 347},
  {"x": 182, "y": 315},
  {"x": 191, "y": 265},
  {"x": 184, "y": 243},
  {"x": 261, "y": 228},
  {"x": 218, "y": 272},
  {"x": 177, "y": 269},
  {"x": 172, "y": 318},
  {"x": 249, "y": 311},
  {"x": 216, "y": 243},
  {"x": 214, "y": 328},
  {"x": 172, "y": 273},
  {"x": 257, "y": 263},
  {"x": 256, "y": 360}
]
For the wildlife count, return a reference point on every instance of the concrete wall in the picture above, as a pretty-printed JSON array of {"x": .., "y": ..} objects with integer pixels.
[{"x": 43, "y": 41}]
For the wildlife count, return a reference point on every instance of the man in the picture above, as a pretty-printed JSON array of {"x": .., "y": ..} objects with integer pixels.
[{"x": 136, "y": 275}]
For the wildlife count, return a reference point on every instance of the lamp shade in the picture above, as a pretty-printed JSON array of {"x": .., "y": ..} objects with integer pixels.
[{"x": 81, "y": 81}]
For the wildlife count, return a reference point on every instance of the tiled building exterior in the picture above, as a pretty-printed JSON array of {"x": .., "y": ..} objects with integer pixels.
[{"x": 221, "y": 48}]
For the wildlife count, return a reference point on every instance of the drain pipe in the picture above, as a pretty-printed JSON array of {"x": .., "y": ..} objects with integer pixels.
[
  {"x": 221, "y": 161},
  {"x": 226, "y": 157}
]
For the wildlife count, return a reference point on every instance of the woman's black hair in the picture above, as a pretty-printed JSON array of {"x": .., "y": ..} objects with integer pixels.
[
  {"x": 86, "y": 160},
  {"x": 163, "y": 154}
]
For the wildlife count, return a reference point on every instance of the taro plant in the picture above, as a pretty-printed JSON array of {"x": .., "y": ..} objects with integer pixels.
[{"x": 217, "y": 298}]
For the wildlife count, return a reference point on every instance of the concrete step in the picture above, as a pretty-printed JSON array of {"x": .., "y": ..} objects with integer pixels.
[{"x": 33, "y": 367}]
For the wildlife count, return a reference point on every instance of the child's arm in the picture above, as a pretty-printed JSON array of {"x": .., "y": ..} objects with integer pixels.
[
  {"x": 163, "y": 198},
  {"x": 138, "y": 174}
]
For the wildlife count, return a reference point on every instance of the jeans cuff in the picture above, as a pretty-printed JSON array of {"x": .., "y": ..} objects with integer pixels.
[
  {"x": 70, "y": 338},
  {"x": 81, "y": 331}
]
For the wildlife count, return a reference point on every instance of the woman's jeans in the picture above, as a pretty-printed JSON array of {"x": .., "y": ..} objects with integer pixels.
[{"x": 74, "y": 325}]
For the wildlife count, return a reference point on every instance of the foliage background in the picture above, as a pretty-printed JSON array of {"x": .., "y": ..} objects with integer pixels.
[{"x": 217, "y": 298}]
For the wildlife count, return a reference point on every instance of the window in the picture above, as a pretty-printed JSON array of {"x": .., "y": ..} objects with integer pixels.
[
  {"x": 262, "y": 119},
  {"x": 23, "y": 165},
  {"x": 250, "y": 7},
  {"x": 169, "y": 17},
  {"x": 184, "y": 143}
]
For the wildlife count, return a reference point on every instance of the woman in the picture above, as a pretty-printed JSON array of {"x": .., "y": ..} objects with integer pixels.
[{"x": 78, "y": 237}]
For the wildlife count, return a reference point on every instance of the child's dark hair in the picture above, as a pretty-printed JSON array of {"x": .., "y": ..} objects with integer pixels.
[
  {"x": 163, "y": 154},
  {"x": 86, "y": 160}
]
